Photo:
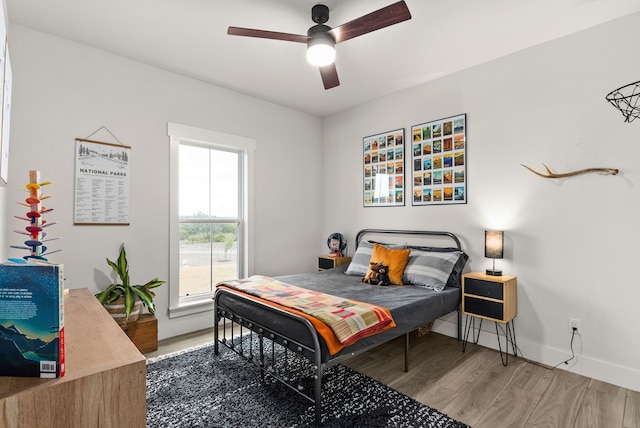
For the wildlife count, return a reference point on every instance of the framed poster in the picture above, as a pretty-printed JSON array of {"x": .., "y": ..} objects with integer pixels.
[
  {"x": 101, "y": 183},
  {"x": 439, "y": 155},
  {"x": 383, "y": 169}
]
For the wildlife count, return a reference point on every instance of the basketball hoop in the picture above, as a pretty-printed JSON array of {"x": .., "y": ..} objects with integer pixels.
[{"x": 627, "y": 100}]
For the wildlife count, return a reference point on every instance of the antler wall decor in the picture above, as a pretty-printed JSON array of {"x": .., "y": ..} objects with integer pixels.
[{"x": 551, "y": 174}]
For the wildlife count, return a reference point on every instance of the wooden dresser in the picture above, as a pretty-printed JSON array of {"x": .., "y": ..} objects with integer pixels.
[{"x": 105, "y": 381}]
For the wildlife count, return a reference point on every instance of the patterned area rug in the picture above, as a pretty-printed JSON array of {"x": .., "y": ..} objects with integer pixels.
[{"x": 199, "y": 389}]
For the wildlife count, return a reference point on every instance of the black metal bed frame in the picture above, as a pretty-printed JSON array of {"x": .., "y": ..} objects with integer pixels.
[{"x": 290, "y": 370}]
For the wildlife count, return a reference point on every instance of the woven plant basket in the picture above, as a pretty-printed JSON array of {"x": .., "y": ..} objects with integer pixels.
[{"x": 116, "y": 310}]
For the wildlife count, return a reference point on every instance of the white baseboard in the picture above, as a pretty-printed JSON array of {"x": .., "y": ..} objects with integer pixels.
[{"x": 604, "y": 371}]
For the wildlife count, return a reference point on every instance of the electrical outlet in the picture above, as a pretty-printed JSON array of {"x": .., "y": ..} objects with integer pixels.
[{"x": 574, "y": 323}]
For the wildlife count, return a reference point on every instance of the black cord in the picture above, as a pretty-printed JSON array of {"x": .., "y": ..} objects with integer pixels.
[
  {"x": 573, "y": 334},
  {"x": 573, "y": 355}
]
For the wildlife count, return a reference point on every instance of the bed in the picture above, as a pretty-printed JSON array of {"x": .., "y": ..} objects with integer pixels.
[{"x": 306, "y": 352}]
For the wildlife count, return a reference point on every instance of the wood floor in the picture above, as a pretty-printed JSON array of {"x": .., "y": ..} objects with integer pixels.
[{"x": 475, "y": 388}]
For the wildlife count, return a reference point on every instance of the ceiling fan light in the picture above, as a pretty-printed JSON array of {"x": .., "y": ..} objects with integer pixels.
[
  {"x": 321, "y": 50},
  {"x": 321, "y": 55}
]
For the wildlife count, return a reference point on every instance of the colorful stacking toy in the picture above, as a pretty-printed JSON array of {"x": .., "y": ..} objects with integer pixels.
[{"x": 34, "y": 244}]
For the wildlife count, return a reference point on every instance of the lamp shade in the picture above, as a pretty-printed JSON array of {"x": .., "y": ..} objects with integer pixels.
[{"x": 493, "y": 244}]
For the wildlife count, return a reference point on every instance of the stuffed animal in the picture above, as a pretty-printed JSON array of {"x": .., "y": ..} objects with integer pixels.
[
  {"x": 383, "y": 275},
  {"x": 372, "y": 274}
]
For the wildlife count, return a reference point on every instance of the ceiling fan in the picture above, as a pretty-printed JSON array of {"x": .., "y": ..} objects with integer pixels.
[{"x": 321, "y": 39}]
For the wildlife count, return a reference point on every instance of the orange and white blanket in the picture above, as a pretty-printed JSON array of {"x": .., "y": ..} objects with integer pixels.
[{"x": 348, "y": 320}]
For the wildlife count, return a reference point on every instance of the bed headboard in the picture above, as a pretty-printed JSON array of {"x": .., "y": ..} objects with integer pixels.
[{"x": 448, "y": 236}]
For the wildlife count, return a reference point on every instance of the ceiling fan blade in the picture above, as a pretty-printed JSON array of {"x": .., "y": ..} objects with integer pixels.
[
  {"x": 329, "y": 76},
  {"x": 263, "y": 34},
  {"x": 392, "y": 14}
]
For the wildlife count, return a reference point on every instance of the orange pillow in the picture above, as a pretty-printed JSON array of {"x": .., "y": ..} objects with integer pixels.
[{"x": 396, "y": 260}]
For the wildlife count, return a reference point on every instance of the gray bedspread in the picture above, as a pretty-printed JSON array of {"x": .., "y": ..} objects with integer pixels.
[{"x": 410, "y": 306}]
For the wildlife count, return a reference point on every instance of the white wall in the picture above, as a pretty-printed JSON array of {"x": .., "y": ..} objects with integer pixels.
[
  {"x": 572, "y": 242},
  {"x": 63, "y": 90}
]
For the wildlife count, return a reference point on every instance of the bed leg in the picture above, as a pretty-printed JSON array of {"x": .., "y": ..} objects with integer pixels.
[
  {"x": 262, "y": 363},
  {"x": 406, "y": 352},
  {"x": 459, "y": 324},
  {"x": 215, "y": 332},
  {"x": 318, "y": 394}
]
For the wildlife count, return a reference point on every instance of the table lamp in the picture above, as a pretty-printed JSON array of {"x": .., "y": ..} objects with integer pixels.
[{"x": 493, "y": 249}]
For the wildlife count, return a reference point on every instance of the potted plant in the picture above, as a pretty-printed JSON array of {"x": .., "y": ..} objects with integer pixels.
[{"x": 123, "y": 300}]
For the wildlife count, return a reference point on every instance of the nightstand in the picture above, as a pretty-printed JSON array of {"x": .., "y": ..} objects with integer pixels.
[
  {"x": 493, "y": 298},
  {"x": 328, "y": 262}
]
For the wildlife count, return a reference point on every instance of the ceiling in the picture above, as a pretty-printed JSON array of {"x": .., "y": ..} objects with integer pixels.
[{"x": 189, "y": 37}]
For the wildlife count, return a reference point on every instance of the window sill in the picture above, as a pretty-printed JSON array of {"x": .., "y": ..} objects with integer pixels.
[{"x": 194, "y": 307}]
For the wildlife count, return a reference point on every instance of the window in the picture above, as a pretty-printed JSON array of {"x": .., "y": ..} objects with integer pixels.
[
  {"x": 210, "y": 175},
  {"x": 210, "y": 201}
]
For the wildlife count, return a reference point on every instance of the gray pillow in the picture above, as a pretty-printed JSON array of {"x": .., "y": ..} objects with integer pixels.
[
  {"x": 431, "y": 269},
  {"x": 360, "y": 260}
]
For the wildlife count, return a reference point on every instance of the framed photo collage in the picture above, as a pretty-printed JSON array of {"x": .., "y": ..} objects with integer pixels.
[
  {"x": 438, "y": 164},
  {"x": 384, "y": 169}
]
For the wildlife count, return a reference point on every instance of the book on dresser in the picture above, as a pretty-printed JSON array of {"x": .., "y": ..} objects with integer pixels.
[{"x": 32, "y": 320}]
